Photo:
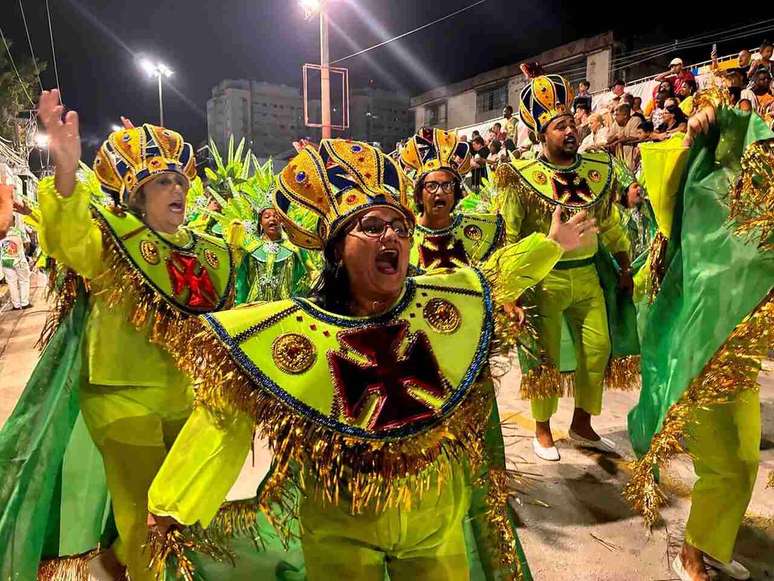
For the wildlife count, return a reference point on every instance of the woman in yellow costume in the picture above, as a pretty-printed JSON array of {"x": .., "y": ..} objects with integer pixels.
[
  {"x": 446, "y": 238},
  {"x": 147, "y": 277},
  {"x": 383, "y": 424}
]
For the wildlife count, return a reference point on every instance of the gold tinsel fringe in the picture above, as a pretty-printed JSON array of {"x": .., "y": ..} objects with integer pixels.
[
  {"x": 64, "y": 295},
  {"x": 770, "y": 484},
  {"x": 172, "y": 548},
  {"x": 751, "y": 201},
  {"x": 501, "y": 533},
  {"x": 732, "y": 369},
  {"x": 370, "y": 474},
  {"x": 75, "y": 568},
  {"x": 546, "y": 380},
  {"x": 658, "y": 251},
  {"x": 623, "y": 373}
]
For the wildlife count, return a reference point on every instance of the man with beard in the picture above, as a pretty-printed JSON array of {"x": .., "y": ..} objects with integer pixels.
[
  {"x": 445, "y": 238},
  {"x": 581, "y": 290}
]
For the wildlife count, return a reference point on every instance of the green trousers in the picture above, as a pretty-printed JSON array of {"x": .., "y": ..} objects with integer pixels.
[
  {"x": 724, "y": 442},
  {"x": 575, "y": 295}
]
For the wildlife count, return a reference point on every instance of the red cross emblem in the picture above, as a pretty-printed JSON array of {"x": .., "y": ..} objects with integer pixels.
[
  {"x": 572, "y": 190},
  {"x": 186, "y": 272},
  {"x": 388, "y": 391},
  {"x": 442, "y": 252}
]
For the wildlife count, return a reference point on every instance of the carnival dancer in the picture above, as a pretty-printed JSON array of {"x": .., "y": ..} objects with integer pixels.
[
  {"x": 147, "y": 278},
  {"x": 586, "y": 288},
  {"x": 710, "y": 325},
  {"x": 374, "y": 408},
  {"x": 437, "y": 161}
]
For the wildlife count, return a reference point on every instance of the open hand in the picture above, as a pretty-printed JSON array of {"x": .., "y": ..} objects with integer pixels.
[
  {"x": 699, "y": 123},
  {"x": 515, "y": 313},
  {"x": 573, "y": 233},
  {"x": 64, "y": 140}
]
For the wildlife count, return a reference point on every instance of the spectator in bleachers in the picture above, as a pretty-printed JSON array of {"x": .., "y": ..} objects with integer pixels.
[
  {"x": 496, "y": 153},
  {"x": 759, "y": 94},
  {"x": 610, "y": 100},
  {"x": 637, "y": 106},
  {"x": 597, "y": 136},
  {"x": 623, "y": 136},
  {"x": 478, "y": 161},
  {"x": 474, "y": 135},
  {"x": 744, "y": 59},
  {"x": 686, "y": 93},
  {"x": 676, "y": 75},
  {"x": 673, "y": 120},
  {"x": 583, "y": 97},
  {"x": 657, "y": 109},
  {"x": 495, "y": 133},
  {"x": 745, "y": 105},
  {"x": 581, "y": 120},
  {"x": 762, "y": 60},
  {"x": 511, "y": 125}
]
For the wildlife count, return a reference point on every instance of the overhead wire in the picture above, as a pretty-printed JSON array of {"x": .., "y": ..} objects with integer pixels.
[
  {"x": 29, "y": 41},
  {"x": 13, "y": 64},
  {"x": 53, "y": 51}
]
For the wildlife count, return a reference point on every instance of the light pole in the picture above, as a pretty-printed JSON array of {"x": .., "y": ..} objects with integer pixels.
[
  {"x": 158, "y": 70},
  {"x": 319, "y": 6}
]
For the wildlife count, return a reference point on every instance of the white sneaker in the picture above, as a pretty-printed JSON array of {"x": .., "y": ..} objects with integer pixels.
[
  {"x": 548, "y": 454},
  {"x": 603, "y": 444},
  {"x": 679, "y": 569},
  {"x": 734, "y": 569}
]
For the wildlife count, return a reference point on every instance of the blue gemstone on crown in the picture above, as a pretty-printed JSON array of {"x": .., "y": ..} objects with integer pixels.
[
  {"x": 357, "y": 149},
  {"x": 301, "y": 177}
]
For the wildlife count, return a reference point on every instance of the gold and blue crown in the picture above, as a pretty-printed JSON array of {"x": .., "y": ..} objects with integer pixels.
[
  {"x": 544, "y": 99},
  {"x": 321, "y": 187},
  {"x": 131, "y": 157},
  {"x": 434, "y": 149}
]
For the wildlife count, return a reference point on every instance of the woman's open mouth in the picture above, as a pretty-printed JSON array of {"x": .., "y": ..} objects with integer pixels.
[
  {"x": 387, "y": 261},
  {"x": 177, "y": 207}
]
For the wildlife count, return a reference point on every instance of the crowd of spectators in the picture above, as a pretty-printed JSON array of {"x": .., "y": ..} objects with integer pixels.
[{"x": 617, "y": 120}]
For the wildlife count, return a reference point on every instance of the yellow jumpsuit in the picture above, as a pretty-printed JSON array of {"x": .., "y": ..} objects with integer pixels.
[
  {"x": 426, "y": 542},
  {"x": 136, "y": 400},
  {"x": 574, "y": 294}
]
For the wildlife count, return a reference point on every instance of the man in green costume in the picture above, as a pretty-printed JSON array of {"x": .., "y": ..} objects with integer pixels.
[{"x": 573, "y": 295}]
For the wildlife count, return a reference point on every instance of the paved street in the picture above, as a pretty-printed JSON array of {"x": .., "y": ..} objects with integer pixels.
[{"x": 575, "y": 524}]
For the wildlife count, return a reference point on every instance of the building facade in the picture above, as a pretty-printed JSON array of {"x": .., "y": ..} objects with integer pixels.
[
  {"x": 481, "y": 98},
  {"x": 268, "y": 116}
]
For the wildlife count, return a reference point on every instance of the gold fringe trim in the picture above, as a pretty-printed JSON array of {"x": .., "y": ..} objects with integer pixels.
[
  {"x": 751, "y": 201},
  {"x": 172, "y": 548},
  {"x": 732, "y": 369},
  {"x": 714, "y": 96},
  {"x": 623, "y": 373},
  {"x": 148, "y": 307},
  {"x": 74, "y": 568},
  {"x": 658, "y": 252},
  {"x": 546, "y": 380},
  {"x": 770, "y": 484},
  {"x": 64, "y": 295},
  {"x": 501, "y": 533},
  {"x": 370, "y": 474}
]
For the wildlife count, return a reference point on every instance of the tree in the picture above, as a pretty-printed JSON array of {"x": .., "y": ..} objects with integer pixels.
[{"x": 15, "y": 95}]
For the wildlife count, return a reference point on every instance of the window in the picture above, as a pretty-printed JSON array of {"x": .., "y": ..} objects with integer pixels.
[
  {"x": 435, "y": 114},
  {"x": 492, "y": 99}
]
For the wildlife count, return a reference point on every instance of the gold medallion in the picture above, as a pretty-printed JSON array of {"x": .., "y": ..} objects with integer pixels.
[
  {"x": 211, "y": 258},
  {"x": 540, "y": 178},
  {"x": 293, "y": 353},
  {"x": 150, "y": 252},
  {"x": 442, "y": 316},
  {"x": 594, "y": 175},
  {"x": 473, "y": 232}
]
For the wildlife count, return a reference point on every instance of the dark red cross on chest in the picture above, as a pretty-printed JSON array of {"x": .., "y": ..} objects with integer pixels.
[
  {"x": 445, "y": 251},
  {"x": 396, "y": 382},
  {"x": 186, "y": 272},
  {"x": 571, "y": 189}
]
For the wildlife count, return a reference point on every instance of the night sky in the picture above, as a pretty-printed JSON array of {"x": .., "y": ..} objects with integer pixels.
[{"x": 205, "y": 41}]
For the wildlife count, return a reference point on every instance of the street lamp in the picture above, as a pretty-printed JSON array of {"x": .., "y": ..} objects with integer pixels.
[
  {"x": 310, "y": 8},
  {"x": 158, "y": 70}
]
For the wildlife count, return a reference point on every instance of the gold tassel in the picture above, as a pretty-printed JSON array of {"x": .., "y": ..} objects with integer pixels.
[
  {"x": 74, "y": 568},
  {"x": 752, "y": 197},
  {"x": 733, "y": 368},
  {"x": 658, "y": 251},
  {"x": 623, "y": 373},
  {"x": 771, "y": 480},
  {"x": 546, "y": 380},
  {"x": 499, "y": 485},
  {"x": 64, "y": 299},
  {"x": 174, "y": 545}
]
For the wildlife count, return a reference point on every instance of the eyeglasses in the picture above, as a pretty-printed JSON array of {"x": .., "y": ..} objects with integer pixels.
[
  {"x": 446, "y": 187},
  {"x": 374, "y": 227}
]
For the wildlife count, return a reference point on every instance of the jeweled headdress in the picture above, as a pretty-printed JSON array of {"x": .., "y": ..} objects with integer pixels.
[
  {"x": 434, "y": 149},
  {"x": 332, "y": 182},
  {"x": 132, "y": 156},
  {"x": 545, "y": 98}
]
